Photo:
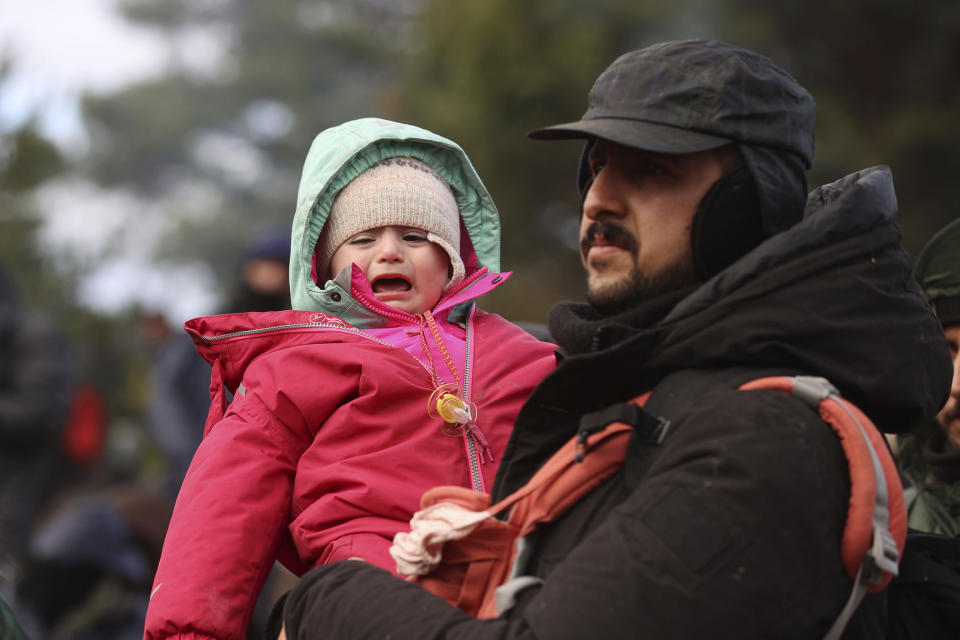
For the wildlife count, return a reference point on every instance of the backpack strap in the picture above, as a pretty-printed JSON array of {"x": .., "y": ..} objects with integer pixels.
[
  {"x": 584, "y": 462},
  {"x": 876, "y": 526},
  {"x": 580, "y": 465}
]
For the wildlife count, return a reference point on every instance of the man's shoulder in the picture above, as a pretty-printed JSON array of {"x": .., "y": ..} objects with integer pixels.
[{"x": 713, "y": 404}]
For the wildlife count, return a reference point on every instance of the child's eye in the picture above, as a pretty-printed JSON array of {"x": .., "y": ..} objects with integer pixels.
[
  {"x": 360, "y": 240},
  {"x": 415, "y": 236}
]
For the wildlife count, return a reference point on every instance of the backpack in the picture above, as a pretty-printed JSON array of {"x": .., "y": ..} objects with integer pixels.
[{"x": 459, "y": 550}]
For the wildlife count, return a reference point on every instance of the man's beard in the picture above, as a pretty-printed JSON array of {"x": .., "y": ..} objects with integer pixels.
[
  {"x": 947, "y": 417},
  {"x": 636, "y": 286}
]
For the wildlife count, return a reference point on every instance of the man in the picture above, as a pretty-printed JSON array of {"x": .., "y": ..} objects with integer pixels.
[
  {"x": 931, "y": 459},
  {"x": 704, "y": 271}
]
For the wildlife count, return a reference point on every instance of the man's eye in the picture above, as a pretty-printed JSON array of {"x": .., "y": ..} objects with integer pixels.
[{"x": 596, "y": 166}]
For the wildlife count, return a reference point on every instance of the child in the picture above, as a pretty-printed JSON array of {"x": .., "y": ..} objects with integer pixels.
[{"x": 384, "y": 381}]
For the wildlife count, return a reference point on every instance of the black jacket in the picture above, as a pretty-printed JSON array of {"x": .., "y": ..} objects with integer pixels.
[{"x": 731, "y": 527}]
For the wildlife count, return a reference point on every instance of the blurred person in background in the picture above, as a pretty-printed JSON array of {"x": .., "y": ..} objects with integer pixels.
[
  {"x": 264, "y": 283},
  {"x": 930, "y": 459},
  {"x": 178, "y": 397},
  {"x": 37, "y": 373},
  {"x": 87, "y": 569}
]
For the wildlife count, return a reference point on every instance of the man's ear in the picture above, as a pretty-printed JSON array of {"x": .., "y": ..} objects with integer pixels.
[{"x": 727, "y": 224}]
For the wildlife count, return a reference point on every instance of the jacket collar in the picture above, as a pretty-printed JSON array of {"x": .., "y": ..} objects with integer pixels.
[
  {"x": 235, "y": 339},
  {"x": 349, "y": 297}
]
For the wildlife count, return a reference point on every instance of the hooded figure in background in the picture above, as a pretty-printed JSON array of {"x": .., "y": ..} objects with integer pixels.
[
  {"x": 263, "y": 284},
  {"x": 384, "y": 381}
]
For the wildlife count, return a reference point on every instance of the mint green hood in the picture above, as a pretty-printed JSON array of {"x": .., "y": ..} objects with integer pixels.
[{"x": 340, "y": 154}]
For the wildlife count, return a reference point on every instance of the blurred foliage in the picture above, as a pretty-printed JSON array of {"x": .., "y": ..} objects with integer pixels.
[
  {"x": 239, "y": 135},
  {"x": 883, "y": 74},
  {"x": 26, "y": 160},
  {"x": 29, "y": 160},
  {"x": 104, "y": 354},
  {"x": 218, "y": 147}
]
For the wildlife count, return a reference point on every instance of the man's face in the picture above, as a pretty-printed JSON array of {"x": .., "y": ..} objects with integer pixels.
[
  {"x": 637, "y": 218},
  {"x": 949, "y": 416}
]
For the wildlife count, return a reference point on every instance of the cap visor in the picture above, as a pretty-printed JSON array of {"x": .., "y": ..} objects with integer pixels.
[{"x": 637, "y": 134}]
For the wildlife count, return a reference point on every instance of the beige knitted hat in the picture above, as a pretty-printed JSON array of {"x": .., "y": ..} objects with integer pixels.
[{"x": 398, "y": 191}]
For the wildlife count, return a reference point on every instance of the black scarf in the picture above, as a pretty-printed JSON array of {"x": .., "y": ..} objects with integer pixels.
[{"x": 582, "y": 328}]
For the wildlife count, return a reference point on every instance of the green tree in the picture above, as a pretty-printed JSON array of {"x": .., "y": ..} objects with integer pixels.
[{"x": 26, "y": 160}]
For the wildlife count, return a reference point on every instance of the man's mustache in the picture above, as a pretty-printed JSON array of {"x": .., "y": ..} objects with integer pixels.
[{"x": 613, "y": 234}]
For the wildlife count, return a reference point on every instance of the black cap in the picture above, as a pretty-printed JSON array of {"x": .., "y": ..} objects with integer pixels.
[{"x": 693, "y": 95}]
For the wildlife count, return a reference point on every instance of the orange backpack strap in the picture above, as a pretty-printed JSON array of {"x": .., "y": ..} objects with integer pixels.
[
  {"x": 582, "y": 464},
  {"x": 481, "y": 571},
  {"x": 570, "y": 473},
  {"x": 876, "y": 526}
]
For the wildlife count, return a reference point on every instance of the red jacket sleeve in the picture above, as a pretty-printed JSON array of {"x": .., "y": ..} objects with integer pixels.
[{"x": 234, "y": 504}]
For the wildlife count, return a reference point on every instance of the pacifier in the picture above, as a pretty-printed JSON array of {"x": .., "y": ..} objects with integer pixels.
[{"x": 446, "y": 404}]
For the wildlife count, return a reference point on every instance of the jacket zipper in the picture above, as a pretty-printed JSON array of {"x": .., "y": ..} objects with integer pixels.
[
  {"x": 474, "y": 460},
  {"x": 466, "y": 283},
  {"x": 310, "y": 325}
]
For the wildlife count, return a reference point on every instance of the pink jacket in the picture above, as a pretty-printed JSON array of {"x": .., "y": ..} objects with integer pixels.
[{"x": 327, "y": 446}]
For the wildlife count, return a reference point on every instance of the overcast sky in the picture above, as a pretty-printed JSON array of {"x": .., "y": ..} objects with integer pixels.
[{"x": 59, "y": 48}]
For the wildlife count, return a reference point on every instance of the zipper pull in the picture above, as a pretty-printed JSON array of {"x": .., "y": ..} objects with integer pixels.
[{"x": 477, "y": 434}]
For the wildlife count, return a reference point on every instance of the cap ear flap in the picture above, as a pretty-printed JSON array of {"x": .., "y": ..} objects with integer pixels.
[
  {"x": 727, "y": 224},
  {"x": 584, "y": 177}
]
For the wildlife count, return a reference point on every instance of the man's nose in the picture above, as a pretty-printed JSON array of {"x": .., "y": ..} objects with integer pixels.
[
  {"x": 603, "y": 197},
  {"x": 955, "y": 387}
]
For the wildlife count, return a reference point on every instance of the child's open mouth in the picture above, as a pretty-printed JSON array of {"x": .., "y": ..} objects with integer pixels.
[{"x": 391, "y": 285}]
